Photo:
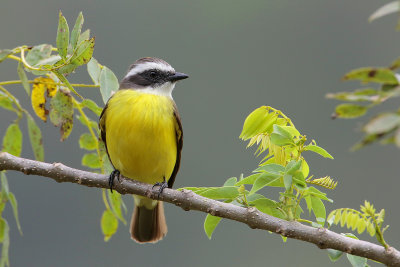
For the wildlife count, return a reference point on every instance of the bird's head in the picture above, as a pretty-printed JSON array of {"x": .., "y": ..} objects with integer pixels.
[{"x": 152, "y": 75}]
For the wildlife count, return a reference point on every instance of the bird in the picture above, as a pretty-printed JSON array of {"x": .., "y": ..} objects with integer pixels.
[{"x": 142, "y": 131}]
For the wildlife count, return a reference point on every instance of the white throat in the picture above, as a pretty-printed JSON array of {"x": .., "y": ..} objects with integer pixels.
[{"x": 163, "y": 90}]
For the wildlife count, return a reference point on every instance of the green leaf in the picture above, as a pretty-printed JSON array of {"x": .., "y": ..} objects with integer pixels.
[
  {"x": 3, "y": 224},
  {"x": 349, "y": 111},
  {"x": 109, "y": 224},
  {"x": 382, "y": 123},
  {"x": 94, "y": 70},
  {"x": 84, "y": 36},
  {"x": 116, "y": 201},
  {"x": 76, "y": 31},
  {"x": 357, "y": 261},
  {"x": 259, "y": 121},
  {"x": 280, "y": 136},
  {"x": 38, "y": 53},
  {"x": 282, "y": 131},
  {"x": 12, "y": 140},
  {"x": 267, "y": 206},
  {"x": 210, "y": 223},
  {"x": 4, "y": 53},
  {"x": 5, "y": 234},
  {"x": 396, "y": 63},
  {"x": 230, "y": 181},
  {"x": 91, "y": 160},
  {"x": 61, "y": 112},
  {"x": 86, "y": 141},
  {"x": 334, "y": 254},
  {"x": 90, "y": 104},
  {"x": 305, "y": 169},
  {"x": 293, "y": 166},
  {"x": 378, "y": 75},
  {"x": 83, "y": 52},
  {"x": 4, "y": 187},
  {"x": 315, "y": 192},
  {"x": 227, "y": 192},
  {"x": 367, "y": 94},
  {"x": 271, "y": 168},
  {"x": 387, "y": 9},
  {"x": 319, "y": 150},
  {"x": 6, "y": 102},
  {"x": 318, "y": 208},
  {"x": 107, "y": 166},
  {"x": 287, "y": 181},
  {"x": 14, "y": 205},
  {"x": 280, "y": 140},
  {"x": 66, "y": 69},
  {"x": 266, "y": 179},
  {"x": 66, "y": 83},
  {"x": 248, "y": 180},
  {"x": 108, "y": 83},
  {"x": 62, "y": 36},
  {"x": 35, "y": 136},
  {"x": 253, "y": 197},
  {"x": 291, "y": 130},
  {"x": 23, "y": 78}
]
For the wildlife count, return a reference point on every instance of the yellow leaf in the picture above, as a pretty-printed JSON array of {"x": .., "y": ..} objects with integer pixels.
[
  {"x": 41, "y": 86},
  {"x": 371, "y": 228},
  {"x": 338, "y": 215},
  {"x": 343, "y": 218},
  {"x": 361, "y": 226},
  {"x": 39, "y": 100}
]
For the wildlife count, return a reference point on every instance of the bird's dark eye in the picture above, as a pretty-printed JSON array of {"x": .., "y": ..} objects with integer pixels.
[{"x": 153, "y": 74}]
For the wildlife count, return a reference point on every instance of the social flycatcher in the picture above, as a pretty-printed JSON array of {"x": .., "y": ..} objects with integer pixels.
[{"x": 141, "y": 128}]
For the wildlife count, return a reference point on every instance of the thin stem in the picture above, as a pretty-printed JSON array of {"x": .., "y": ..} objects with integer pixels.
[
  {"x": 105, "y": 199},
  {"x": 379, "y": 232},
  {"x": 52, "y": 83},
  {"x": 79, "y": 108},
  {"x": 15, "y": 101},
  {"x": 26, "y": 64}
]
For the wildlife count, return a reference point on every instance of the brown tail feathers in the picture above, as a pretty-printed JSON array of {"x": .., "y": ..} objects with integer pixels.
[{"x": 148, "y": 225}]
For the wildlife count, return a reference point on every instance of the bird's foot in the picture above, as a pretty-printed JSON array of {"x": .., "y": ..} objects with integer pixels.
[
  {"x": 113, "y": 174},
  {"x": 162, "y": 186}
]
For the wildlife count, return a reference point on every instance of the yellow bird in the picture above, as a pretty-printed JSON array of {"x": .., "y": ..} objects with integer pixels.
[{"x": 142, "y": 131}]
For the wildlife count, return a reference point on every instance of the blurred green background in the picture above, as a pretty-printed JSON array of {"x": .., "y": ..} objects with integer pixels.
[{"x": 239, "y": 55}]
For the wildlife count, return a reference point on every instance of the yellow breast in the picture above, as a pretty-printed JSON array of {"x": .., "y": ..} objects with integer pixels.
[{"x": 140, "y": 135}]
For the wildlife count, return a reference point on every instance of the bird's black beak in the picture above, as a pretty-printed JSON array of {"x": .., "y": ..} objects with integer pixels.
[{"x": 177, "y": 77}]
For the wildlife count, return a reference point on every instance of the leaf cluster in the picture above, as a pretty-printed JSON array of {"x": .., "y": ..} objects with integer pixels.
[
  {"x": 53, "y": 98},
  {"x": 364, "y": 220},
  {"x": 282, "y": 166},
  {"x": 384, "y": 127}
]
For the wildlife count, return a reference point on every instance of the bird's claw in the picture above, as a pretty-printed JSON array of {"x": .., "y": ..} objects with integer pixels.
[{"x": 113, "y": 174}]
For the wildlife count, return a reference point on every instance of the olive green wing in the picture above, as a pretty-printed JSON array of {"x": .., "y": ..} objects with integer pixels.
[{"x": 179, "y": 144}]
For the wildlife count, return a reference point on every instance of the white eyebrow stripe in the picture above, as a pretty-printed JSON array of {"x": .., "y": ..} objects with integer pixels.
[{"x": 148, "y": 66}]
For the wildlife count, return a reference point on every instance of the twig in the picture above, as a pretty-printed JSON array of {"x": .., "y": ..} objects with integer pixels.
[{"x": 188, "y": 200}]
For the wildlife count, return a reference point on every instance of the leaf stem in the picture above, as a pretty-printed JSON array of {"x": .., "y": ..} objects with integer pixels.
[
  {"x": 15, "y": 101},
  {"x": 60, "y": 84},
  {"x": 79, "y": 108}
]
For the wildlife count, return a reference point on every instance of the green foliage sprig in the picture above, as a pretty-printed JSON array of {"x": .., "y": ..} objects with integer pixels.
[
  {"x": 384, "y": 127},
  {"x": 282, "y": 166},
  {"x": 364, "y": 220},
  {"x": 53, "y": 97}
]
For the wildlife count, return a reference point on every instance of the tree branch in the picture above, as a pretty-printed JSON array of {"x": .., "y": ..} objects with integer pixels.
[{"x": 188, "y": 200}]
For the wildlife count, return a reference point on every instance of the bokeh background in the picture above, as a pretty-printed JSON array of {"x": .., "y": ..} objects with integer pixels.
[{"x": 239, "y": 55}]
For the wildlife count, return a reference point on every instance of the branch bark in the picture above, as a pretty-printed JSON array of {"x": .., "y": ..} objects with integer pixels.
[{"x": 188, "y": 200}]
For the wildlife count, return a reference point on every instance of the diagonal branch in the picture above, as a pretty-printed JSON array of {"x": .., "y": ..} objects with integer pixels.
[{"x": 187, "y": 200}]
